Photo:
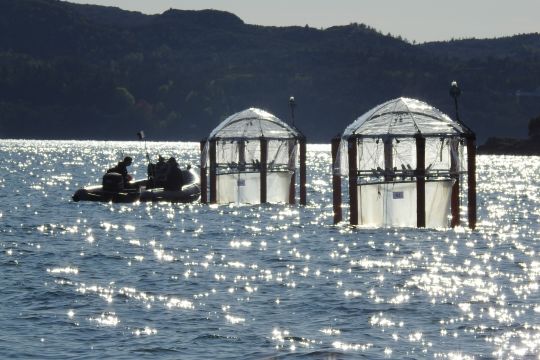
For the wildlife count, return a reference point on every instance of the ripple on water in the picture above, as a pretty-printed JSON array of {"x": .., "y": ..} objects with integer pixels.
[{"x": 195, "y": 281}]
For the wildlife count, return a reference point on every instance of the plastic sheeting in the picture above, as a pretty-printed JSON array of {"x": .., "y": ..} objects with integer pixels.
[
  {"x": 245, "y": 188},
  {"x": 245, "y": 155},
  {"x": 371, "y": 156},
  {"x": 254, "y": 123},
  {"x": 394, "y": 204},
  {"x": 385, "y": 141},
  {"x": 397, "y": 123},
  {"x": 239, "y": 142},
  {"x": 405, "y": 117}
]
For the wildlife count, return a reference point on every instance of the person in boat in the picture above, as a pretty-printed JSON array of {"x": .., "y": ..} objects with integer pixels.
[
  {"x": 174, "y": 180},
  {"x": 121, "y": 168},
  {"x": 157, "y": 173}
]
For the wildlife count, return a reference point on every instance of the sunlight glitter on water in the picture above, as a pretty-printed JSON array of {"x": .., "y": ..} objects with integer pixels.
[
  {"x": 106, "y": 319},
  {"x": 276, "y": 278}
]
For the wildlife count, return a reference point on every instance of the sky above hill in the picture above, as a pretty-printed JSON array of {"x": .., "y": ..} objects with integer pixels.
[{"x": 414, "y": 20}]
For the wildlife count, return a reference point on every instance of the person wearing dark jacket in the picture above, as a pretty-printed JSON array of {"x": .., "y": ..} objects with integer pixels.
[
  {"x": 157, "y": 173},
  {"x": 174, "y": 180},
  {"x": 121, "y": 168}
]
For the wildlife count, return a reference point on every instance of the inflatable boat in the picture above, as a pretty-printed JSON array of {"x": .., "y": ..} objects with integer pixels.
[
  {"x": 190, "y": 191},
  {"x": 113, "y": 190}
]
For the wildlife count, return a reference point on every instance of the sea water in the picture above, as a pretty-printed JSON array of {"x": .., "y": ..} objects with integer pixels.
[{"x": 158, "y": 280}]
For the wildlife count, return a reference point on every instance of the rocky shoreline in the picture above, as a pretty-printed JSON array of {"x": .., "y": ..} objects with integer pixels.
[{"x": 511, "y": 146}]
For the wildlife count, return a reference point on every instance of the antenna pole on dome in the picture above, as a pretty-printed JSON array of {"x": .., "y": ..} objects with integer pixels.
[
  {"x": 292, "y": 105},
  {"x": 455, "y": 91},
  {"x": 470, "y": 137}
]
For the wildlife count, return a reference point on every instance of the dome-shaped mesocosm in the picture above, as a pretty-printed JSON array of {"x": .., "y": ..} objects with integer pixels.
[
  {"x": 254, "y": 123},
  {"x": 252, "y": 158},
  {"x": 405, "y": 160},
  {"x": 404, "y": 117}
]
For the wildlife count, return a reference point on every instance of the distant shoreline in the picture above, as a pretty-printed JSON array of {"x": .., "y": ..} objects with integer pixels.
[
  {"x": 509, "y": 146},
  {"x": 493, "y": 146}
]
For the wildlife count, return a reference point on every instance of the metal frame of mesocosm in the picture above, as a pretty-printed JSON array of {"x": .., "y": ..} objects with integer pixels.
[
  {"x": 405, "y": 160},
  {"x": 251, "y": 157}
]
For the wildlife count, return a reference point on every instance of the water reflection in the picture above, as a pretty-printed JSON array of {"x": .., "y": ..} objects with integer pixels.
[{"x": 272, "y": 279}]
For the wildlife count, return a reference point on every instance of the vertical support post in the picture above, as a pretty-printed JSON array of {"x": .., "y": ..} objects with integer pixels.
[
  {"x": 213, "y": 171},
  {"x": 471, "y": 176},
  {"x": 303, "y": 193},
  {"x": 292, "y": 186},
  {"x": 420, "y": 181},
  {"x": 204, "y": 184},
  {"x": 388, "y": 159},
  {"x": 454, "y": 174},
  {"x": 263, "y": 169},
  {"x": 353, "y": 181},
  {"x": 336, "y": 183},
  {"x": 241, "y": 155}
]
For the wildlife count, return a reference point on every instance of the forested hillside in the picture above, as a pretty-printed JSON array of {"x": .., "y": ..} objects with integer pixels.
[{"x": 90, "y": 72}]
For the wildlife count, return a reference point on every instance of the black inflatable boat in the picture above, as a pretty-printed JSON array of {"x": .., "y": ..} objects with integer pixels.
[{"x": 113, "y": 190}]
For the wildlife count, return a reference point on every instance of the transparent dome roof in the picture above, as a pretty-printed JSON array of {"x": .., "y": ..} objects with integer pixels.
[
  {"x": 404, "y": 117},
  {"x": 254, "y": 123}
]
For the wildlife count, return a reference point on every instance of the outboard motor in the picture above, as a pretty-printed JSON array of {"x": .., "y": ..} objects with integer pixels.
[{"x": 113, "y": 182}]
